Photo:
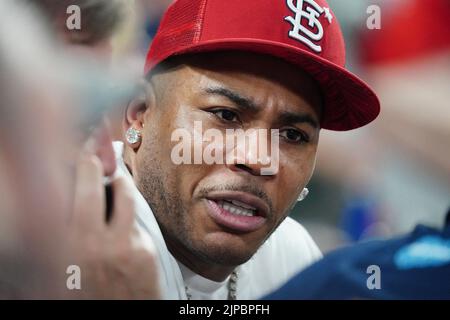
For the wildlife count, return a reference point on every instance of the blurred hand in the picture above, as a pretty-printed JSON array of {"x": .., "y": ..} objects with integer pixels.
[{"x": 117, "y": 261}]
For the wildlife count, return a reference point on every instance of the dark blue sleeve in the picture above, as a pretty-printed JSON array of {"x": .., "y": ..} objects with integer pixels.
[{"x": 416, "y": 266}]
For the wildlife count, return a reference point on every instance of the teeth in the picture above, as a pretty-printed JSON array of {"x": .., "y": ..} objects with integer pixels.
[
  {"x": 226, "y": 206},
  {"x": 243, "y": 205},
  {"x": 237, "y": 209}
]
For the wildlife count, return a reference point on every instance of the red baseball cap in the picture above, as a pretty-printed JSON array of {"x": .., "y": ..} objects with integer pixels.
[{"x": 303, "y": 32}]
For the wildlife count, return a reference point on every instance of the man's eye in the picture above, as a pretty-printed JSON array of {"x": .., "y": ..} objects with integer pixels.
[
  {"x": 226, "y": 115},
  {"x": 294, "y": 136}
]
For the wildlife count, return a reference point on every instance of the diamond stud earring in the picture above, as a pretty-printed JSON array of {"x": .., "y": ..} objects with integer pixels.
[
  {"x": 303, "y": 194},
  {"x": 133, "y": 136}
]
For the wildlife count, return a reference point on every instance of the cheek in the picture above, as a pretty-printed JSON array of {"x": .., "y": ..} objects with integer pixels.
[
  {"x": 176, "y": 143},
  {"x": 294, "y": 175},
  {"x": 184, "y": 150}
]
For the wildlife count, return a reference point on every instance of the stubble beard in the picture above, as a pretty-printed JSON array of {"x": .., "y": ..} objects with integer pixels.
[{"x": 155, "y": 184}]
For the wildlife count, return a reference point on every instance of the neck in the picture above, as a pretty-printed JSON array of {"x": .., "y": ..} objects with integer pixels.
[{"x": 198, "y": 265}]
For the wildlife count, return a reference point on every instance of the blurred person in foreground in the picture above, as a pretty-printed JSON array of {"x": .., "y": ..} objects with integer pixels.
[
  {"x": 52, "y": 213},
  {"x": 100, "y": 22},
  {"x": 222, "y": 229}
]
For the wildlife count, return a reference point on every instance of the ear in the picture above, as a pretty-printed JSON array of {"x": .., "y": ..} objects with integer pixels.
[{"x": 136, "y": 111}]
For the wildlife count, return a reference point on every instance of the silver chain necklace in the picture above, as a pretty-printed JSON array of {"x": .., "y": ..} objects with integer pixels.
[{"x": 232, "y": 287}]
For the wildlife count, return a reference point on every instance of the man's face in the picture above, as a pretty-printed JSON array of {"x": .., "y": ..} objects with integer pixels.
[{"x": 194, "y": 203}]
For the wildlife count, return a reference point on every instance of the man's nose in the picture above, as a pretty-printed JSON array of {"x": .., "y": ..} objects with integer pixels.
[{"x": 254, "y": 154}]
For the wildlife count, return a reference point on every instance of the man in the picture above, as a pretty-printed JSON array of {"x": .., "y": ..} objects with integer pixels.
[{"x": 221, "y": 228}]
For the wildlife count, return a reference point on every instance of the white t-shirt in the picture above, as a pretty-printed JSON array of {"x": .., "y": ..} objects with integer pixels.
[{"x": 287, "y": 251}]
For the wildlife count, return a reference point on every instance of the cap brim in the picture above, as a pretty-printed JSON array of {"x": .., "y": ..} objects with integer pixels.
[{"x": 349, "y": 103}]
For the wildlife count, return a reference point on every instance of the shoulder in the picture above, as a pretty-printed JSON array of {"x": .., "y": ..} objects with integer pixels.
[
  {"x": 287, "y": 251},
  {"x": 294, "y": 241}
]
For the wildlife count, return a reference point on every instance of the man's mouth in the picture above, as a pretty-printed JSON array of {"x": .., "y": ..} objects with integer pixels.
[
  {"x": 237, "y": 211},
  {"x": 237, "y": 208}
]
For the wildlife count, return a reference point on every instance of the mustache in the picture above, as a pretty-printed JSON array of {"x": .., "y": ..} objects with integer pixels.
[{"x": 248, "y": 188}]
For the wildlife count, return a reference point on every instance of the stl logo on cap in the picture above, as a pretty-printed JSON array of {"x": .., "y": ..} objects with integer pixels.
[{"x": 312, "y": 12}]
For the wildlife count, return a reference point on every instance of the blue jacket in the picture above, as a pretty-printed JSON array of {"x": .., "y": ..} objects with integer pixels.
[{"x": 414, "y": 266}]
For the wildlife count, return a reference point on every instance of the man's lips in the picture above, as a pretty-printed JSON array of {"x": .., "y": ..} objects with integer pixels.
[
  {"x": 262, "y": 208},
  {"x": 231, "y": 221},
  {"x": 237, "y": 211}
]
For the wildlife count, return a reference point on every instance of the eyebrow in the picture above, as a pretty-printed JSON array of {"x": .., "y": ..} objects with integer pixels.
[
  {"x": 285, "y": 117},
  {"x": 236, "y": 98}
]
